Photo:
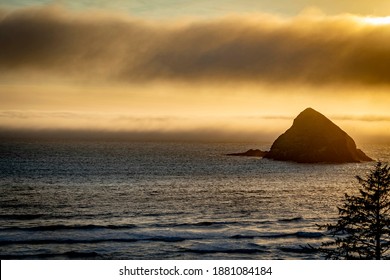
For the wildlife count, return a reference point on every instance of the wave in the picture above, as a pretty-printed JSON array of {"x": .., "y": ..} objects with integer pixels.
[
  {"x": 299, "y": 250},
  {"x": 64, "y": 241},
  {"x": 304, "y": 234},
  {"x": 242, "y": 236},
  {"x": 70, "y": 227},
  {"x": 67, "y": 255},
  {"x": 245, "y": 251},
  {"x": 298, "y": 234},
  {"x": 90, "y": 241},
  {"x": 288, "y": 220},
  {"x": 20, "y": 217},
  {"x": 199, "y": 224},
  {"x": 165, "y": 239}
]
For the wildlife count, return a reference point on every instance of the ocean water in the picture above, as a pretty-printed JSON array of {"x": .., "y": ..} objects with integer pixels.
[{"x": 132, "y": 200}]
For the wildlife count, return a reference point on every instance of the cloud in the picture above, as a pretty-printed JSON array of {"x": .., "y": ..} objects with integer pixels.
[
  {"x": 358, "y": 118},
  {"x": 364, "y": 118},
  {"x": 189, "y": 135},
  {"x": 60, "y": 125},
  {"x": 94, "y": 125},
  {"x": 38, "y": 43}
]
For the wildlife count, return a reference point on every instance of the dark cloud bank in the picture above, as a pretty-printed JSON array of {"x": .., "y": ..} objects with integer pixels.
[{"x": 91, "y": 47}]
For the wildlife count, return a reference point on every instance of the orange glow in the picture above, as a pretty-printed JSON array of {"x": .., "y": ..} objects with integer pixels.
[
  {"x": 249, "y": 110},
  {"x": 235, "y": 75}
]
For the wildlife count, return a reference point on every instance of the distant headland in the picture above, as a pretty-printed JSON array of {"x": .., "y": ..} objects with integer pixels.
[{"x": 312, "y": 138}]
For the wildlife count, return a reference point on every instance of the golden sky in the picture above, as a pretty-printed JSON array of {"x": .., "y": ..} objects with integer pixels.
[{"x": 235, "y": 75}]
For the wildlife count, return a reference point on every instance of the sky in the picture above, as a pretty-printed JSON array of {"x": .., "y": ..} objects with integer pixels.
[{"x": 193, "y": 70}]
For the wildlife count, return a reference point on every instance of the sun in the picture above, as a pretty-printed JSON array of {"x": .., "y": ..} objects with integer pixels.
[{"x": 376, "y": 20}]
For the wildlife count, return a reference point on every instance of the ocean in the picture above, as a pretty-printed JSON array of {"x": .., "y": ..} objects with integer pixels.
[{"x": 133, "y": 200}]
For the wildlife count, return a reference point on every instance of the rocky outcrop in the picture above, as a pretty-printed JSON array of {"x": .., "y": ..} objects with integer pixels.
[
  {"x": 314, "y": 138},
  {"x": 250, "y": 153}
]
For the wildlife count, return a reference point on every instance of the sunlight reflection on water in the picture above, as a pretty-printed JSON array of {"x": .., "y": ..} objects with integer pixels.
[{"x": 116, "y": 200}]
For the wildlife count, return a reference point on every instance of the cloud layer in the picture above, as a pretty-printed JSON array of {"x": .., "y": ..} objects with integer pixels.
[
  {"x": 51, "y": 42},
  {"x": 82, "y": 125}
]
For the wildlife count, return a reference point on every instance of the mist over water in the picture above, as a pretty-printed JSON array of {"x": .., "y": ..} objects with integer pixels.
[{"x": 133, "y": 200}]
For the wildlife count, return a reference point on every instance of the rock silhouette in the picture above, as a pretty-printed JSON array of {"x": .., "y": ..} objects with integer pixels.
[{"x": 314, "y": 138}]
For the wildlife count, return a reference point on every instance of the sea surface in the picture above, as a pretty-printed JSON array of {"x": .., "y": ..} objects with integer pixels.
[{"x": 133, "y": 200}]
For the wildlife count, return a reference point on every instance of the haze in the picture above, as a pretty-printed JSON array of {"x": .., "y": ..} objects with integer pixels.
[{"x": 193, "y": 70}]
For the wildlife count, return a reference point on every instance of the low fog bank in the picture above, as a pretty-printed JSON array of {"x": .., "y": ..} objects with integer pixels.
[
  {"x": 155, "y": 136},
  {"x": 195, "y": 135}
]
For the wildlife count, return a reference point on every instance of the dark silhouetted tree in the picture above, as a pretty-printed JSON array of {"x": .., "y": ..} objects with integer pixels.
[{"x": 362, "y": 230}]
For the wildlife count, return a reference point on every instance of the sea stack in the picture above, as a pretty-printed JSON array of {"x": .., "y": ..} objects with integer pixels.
[{"x": 313, "y": 138}]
